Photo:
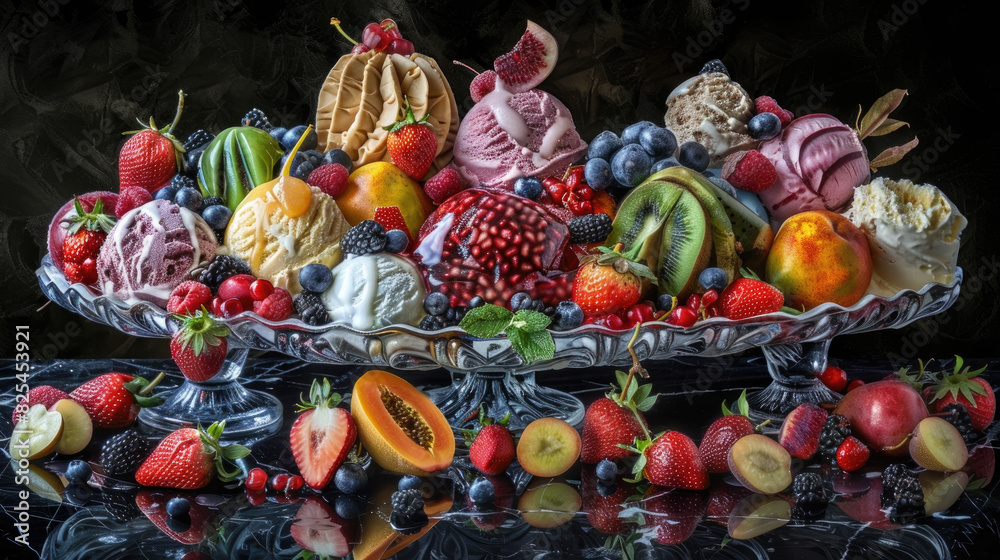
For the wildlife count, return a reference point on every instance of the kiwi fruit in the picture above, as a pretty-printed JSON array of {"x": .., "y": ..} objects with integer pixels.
[
  {"x": 685, "y": 246},
  {"x": 640, "y": 219}
]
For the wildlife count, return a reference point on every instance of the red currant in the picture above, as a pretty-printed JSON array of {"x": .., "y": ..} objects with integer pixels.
[
  {"x": 230, "y": 308},
  {"x": 294, "y": 483},
  {"x": 834, "y": 378},
  {"x": 256, "y": 479},
  {"x": 682, "y": 316},
  {"x": 694, "y": 302},
  {"x": 709, "y": 297},
  {"x": 260, "y": 289},
  {"x": 279, "y": 481},
  {"x": 256, "y": 497}
]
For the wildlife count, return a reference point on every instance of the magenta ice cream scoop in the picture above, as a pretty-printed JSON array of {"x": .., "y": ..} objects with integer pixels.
[
  {"x": 819, "y": 161},
  {"x": 509, "y": 135},
  {"x": 151, "y": 250}
]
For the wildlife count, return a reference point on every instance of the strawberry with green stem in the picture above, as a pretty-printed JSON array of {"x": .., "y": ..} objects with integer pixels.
[
  {"x": 964, "y": 386},
  {"x": 322, "y": 435},
  {"x": 491, "y": 445},
  {"x": 199, "y": 346},
  {"x": 151, "y": 157},
  {"x": 113, "y": 400},
  {"x": 84, "y": 238},
  {"x": 610, "y": 282},
  {"x": 189, "y": 458},
  {"x": 412, "y": 144},
  {"x": 723, "y": 433}
]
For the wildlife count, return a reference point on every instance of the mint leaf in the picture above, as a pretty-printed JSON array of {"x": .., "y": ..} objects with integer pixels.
[
  {"x": 532, "y": 346},
  {"x": 486, "y": 321},
  {"x": 530, "y": 321}
]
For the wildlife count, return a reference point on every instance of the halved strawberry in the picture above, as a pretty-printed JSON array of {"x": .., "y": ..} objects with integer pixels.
[
  {"x": 319, "y": 529},
  {"x": 322, "y": 435}
]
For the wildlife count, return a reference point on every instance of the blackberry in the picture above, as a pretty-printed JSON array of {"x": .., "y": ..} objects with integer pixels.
[
  {"x": 198, "y": 139},
  {"x": 183, "y": 181},
  {"x": 808, "y": 489},
  {"x": 714, "y": 65},
  {"x": 222, "y": 267},
  {"x": 890, "y": 480},
  {"x": 123, "y": 453},
  {"x": 835, "y": 431},
  {"x": 364, "y": 238},
  {"x": 432, "y": 323},
  {"x": 907, "y": 501},
  {"x": 257, "y": 119},
  {"x": 213, "y": 201},
  {"x": 120, "y": 503},
  {"x": 310, "y": 308},
  {"x": 958, "y": 416},
  {"x": 593, "y": 228},
  {"x": 408, "y": 511}
]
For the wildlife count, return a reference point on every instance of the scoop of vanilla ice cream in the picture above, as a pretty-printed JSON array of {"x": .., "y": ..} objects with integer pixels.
[
  {"x": 913, "y": 232},
  {"x": 374, "y": 291}
]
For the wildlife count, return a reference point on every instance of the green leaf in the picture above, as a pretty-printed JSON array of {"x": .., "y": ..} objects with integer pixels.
[
  {"x": 642, "y": 394},
  {"x": 632, "y": 388},
  {"x": 486, "y": 321},
  {"x": 892, "y": 155},
  {"x": 646, "y": 403},
  {"x": 890, "y": 125},
  {"x": 530, "y": 321},
  {"x": 742, "y": 405},
  {"x": 531, "y": 346},
  {"x": 622, "y": 378},
  {"x": 234, "y": 452},
  {"x": 725, "y": 409}
]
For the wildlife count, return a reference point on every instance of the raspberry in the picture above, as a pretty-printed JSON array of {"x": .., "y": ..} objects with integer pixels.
[
  {"x": 330, "y": 178},
  {"x": 130, "y": 199},
  {"x": 443, "y": 185},
  {"x": 189, "y": 296},
  {"x": 275, "y": 307},
  {"x": 767, "y": 104},
  {"x": 364, "y": 238},
  {"x": 592, "y": 228},
  {"x": 750, "y": 171}
]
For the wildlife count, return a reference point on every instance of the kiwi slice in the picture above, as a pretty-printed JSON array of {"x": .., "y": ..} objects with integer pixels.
[
  {"x": 685, "y": 246},
  {"x": 640, "y": 219},
  {"x": 753, "y": 235}
]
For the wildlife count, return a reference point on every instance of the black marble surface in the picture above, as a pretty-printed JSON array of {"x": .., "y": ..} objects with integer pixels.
[{"x": 691, "y": 393}]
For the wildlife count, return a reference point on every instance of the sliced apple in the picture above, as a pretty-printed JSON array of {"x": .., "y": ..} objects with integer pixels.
[
  {"x": 78, "y": 428},
  {"x": 937, "y": 445},
  {"x": 36, "y": 434},
  {"x": 549, "y": 503}
]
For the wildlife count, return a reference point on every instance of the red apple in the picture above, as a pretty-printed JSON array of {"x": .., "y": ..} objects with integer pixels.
[
  {"x": 883, "y": 414},
  {"x": 58, "y": 229}
]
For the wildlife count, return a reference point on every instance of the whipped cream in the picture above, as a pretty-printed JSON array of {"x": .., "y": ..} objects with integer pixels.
[{"x": 374, "y": 291}]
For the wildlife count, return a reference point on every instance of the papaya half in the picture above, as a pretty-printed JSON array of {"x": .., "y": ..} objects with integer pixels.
[{"x": 401, "y": 428}]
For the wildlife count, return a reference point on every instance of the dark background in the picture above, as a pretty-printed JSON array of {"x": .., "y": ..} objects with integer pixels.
[{"x": 76, "y": 73}]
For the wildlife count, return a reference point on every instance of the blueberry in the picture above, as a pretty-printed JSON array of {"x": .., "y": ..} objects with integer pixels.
[
  {"x": 723, "y": 185},
  {"x": 192, "y": 158},
  {"x": 167, "y": 193},
  {"x": 482, "y": 491},
  {"x": 604, "y": 146},
  {"x": 658, "y": 142},
  {"x": 396, "y": 241},
  {"x": 713, "y": 278},
  {"x": 606, "y": 489},
  {"x": 476, "y": 301},
  {"x": 528, "y": 187},
  {"x": 189, "y": 198},
  {"x": 410, "y": 482},
  {"x": 79, "y": 493},
  {"x": 663, "y": 164},
  {"x": 178, "y": 507},
  {"x": 631, "y": 133},
  {"x": 315, "y": 277},
  {"x": 606, "y": 470},
  {"x": 598, "y": 174},
  {"x": 630, "y": 165},
  {"x": 179, "y": 524},
  {"x": 349, "y": 507},
  {"x": 337, "y": 155},
  {"x": 568, "y": 315},
  {"x": 217, "y": 216},
  {"x": 519, "y": 301},
  {"x": 278, "y": 133},
  {"x": 694, "y": 156},
  {"x": 78, "y": 471},
  {"x": 436, "y": 304},
  {"x": 302, "y": 170},
  {"x": 665, "y": 302},
  {"x": 315, "y": 157},
  {"x": 764, "y": 126},
  {"x": 292, "y": 137},
  {"x": 350, "y": 478}
]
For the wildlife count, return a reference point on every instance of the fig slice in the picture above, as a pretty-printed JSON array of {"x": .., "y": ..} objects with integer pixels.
[{"x": 530, "y": 61}]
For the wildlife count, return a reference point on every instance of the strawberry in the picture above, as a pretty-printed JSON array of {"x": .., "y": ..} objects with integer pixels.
[
  {"x": 330, "y": 178},
  {"x": 749, "y": 297},
  {"x": 189, "y": 458},
  {"x": 965, "y": 387},
  {"x": 852, "y": 454},
  {"x": 834, "y": 378},
  {"x": 130, "y": 199},
  {"x": 610, "y": 282},
  {"x": 154, "y": 506},
  {"x": 443, "y": 185},
  {"x": 43, "y": 394},
  {"x": 412, "y": 144},
  {"x": 86, "y": 234},
  {"x": 199, "y": 346},
  {"x": 723, "y": 499},
  {"x": 749, "y": 171},
  {"x": 151, "y": 157},
  {"x": 321, "y": 532},
  {"x": 113, "y": 400},
  {"x": 675, "y": 515},
  {"x": 722, "y": 434},
  {"x": 492, "y": 447},
  {"x": 277, "y": 306},
  {"x": 188, "y": 297},
  {"x": 765, "y": 104},
  {"x": 672, "y": 461},
  {"x": 603, "y": 511},
  {"x": 322, "y": 435}
]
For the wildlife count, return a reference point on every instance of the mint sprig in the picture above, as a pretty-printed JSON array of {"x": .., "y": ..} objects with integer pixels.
[{"x": 525, "y": 329}]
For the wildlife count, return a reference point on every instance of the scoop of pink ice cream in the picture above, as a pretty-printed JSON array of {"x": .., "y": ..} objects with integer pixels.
[
  {"x": 819, "y": 161},
  {"x": 510, "y": 135},
  {"x": 151, "y": 250}
]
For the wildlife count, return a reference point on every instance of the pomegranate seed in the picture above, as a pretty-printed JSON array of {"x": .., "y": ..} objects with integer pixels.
[
  {"x": 256, "y": 497},
  {"x": 682, "y": 316},
  {"x": 694, "y": 301},
  {"x": 260, "y": 289},
  {"x": 549, "y": 181},
  {"x": 574, "y": 176},
  {"x": 279, "y": 481},
  {"x": 294, "y": 483},
  {"x": 256, "y": 479},
  {"x": 216, "y": 306},
  {"x": 584, "y": 192},
  {"x": 230, "y": 308},
  {"x": 586, "y": 207},
  {"x": 709, "y": 297},
  {"x": 375, "y": 37}
]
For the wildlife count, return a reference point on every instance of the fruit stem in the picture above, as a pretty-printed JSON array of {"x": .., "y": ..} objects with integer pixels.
[
  {"x": 148, "y": 389},
  {"x": 336, "y": 23},
  {"x": 464, "y": 65},
  {"x": 177, "y": 115},
  {"x": 287, "y": 170},
  {"x": 636, "y": 367},
  {"x": 760, "y": 426}
]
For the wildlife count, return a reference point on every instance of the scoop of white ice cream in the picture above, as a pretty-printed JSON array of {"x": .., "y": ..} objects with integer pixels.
[
  {"x": 913, "y": 232},
  {"x": 374, "y": 291}
]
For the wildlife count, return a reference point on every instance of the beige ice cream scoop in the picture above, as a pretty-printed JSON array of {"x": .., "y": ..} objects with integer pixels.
[
  {"x": 364, "y": 93},
  {"x": 712, "y": 110},
  {"x": 284, "y": 225},
  {"x": 913, "y": 232}
]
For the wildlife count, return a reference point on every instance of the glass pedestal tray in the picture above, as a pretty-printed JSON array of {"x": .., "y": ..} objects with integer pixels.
[{"x": 488, "y": 371}]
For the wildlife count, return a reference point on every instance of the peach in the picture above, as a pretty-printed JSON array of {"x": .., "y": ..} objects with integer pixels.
[
  {"x": 819, "y": 256},
  {"x": 383, "y": 184}
]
